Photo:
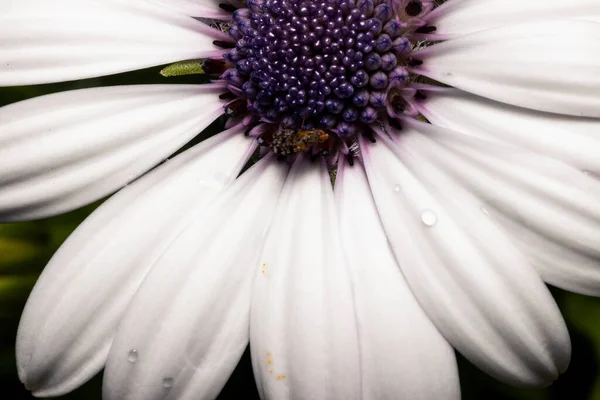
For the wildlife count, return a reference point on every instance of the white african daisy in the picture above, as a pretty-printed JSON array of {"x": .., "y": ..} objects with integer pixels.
[{"x": 465, "y": 141}]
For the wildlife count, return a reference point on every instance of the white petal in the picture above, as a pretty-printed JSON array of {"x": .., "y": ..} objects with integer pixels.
[
  {"x": 61, "y": 40},
  {"x": 558, "y": 263},
  {"x": 303, "y": 329},
  {"x": 188, "y": 323},
  {"x": 548, "y": 66},
  {"x": 461, "y": 17},
  {"x": 403, "y": 356},
  {"x": 552, "y": 207},
  {"x": 476, "y": 287},
  {"x": 197, "y": 8},
  {"x": 62, "y": 151},
  {"x": 571, "y": 139},
  {"x": 71, "y": 315}
]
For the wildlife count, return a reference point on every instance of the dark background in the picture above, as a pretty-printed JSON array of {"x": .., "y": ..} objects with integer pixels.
[{"x": 26, "y": 247}]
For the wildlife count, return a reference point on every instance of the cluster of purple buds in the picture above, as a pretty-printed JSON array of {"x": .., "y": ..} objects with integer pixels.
[{"x": 326, "y": 64}]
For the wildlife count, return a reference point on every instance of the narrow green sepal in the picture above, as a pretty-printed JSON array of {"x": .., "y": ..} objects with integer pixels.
[{"x": 189, "y": 67}]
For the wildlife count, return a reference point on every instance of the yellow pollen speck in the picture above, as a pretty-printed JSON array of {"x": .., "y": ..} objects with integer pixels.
[
  {"x": 270, "y": 371},
  {"x": 282, "y": 376},
  {"x": 269, "y": 361},
  {"x": 263, "y": 271},
  {"x": 268, "y": 354},
  {"x": 278, "y": 376},
  {"x": 264, "y": 264}
]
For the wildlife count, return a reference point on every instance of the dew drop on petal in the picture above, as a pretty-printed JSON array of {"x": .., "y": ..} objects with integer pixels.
[
  {"x": 429, "y": 218},
  {"x": 485, "y": 210},
  {"x": 167, "y": 382},
  {"x": 397, "y": 188},
  {"x": 132, "y": 356}
]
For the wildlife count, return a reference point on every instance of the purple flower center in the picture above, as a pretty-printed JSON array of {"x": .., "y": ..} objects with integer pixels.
[{"x": 317, "y": 64}]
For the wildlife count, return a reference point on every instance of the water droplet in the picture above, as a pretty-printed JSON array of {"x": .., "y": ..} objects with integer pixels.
[
  {"x": 485, "y": 210},
  {"x": 429, "y": 218},
  {"x": 586, "y": 172},
  {"x": 397, "y": 188},
  {"x": 132, "y": 356},
  {"x": 167, "y": 382}
]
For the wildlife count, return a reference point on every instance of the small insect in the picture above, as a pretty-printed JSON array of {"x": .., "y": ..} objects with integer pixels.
[{"x": 287, "y": 141}]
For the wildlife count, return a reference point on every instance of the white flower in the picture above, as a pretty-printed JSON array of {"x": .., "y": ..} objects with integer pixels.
[{"x": 438, "y": 234}]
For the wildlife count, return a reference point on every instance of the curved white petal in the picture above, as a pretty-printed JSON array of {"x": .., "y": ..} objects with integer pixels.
[
  {"x": 62, "y": 40},
  {"x": 72, "y": 313},
  {"x": 558, "y": 264},
  {"x": 552, "y": 204},
  {"x": 403, "y": 356},
  {"x": 197, "y": 8},
  {"x": 303, "y": 329},
  {"x": 573, "y": 140},
  {"x": 62, "y": 151},
  {"x": 548, "y": 66},
  {"x": 475, "y": 286},
  {"x": 461, "y": 17},
  {"x": 187, "y": 325}
]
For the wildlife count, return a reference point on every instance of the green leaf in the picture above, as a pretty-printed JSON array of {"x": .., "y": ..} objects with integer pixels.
[{"x": 189, "y": 67}]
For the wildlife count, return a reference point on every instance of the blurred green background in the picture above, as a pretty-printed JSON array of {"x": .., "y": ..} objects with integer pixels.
[{"x": 26, "y": 247}]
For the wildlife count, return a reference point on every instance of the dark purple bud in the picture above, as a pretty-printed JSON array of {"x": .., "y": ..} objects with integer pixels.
[
  {"x": 344, "y": 91},
  {"x": 242, "y": 14},
  {"x": 393, "y": 28},
  {"x": 244, "y": 26},
  {"x": 244, "y": 66},
  {"x": 401, "y": 45},
  {"x": 345, "y": 129},
  {"x": 383, "y": 43},
  {"x": 350, "y": 115},
  {"x": 361, "y": 98},
  {"x": 383, "y": 12},
  {"x": 377, "y": 99},
  {"x": 354, "y": 16},
  {"x": 319, "y": 106},
  {"x": 360, "y": 78},
  {"x": 368, "y": 115},
  {"x": 366, "y": 7},
  {"x": 372, "y": 61},
  {"x": 399, "y": 75},
  {"x": 375, "y": 26},
  {"x": 379, "y": 80},
  {"x": 234, "y": 32},
  {"x": 334, "y": 106},
  {"x": 255, "y": 5},
  {"x": 337, "y": 70},
  {"x": 249, "y": 90},
  {"x": 388, "y": 62}
]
